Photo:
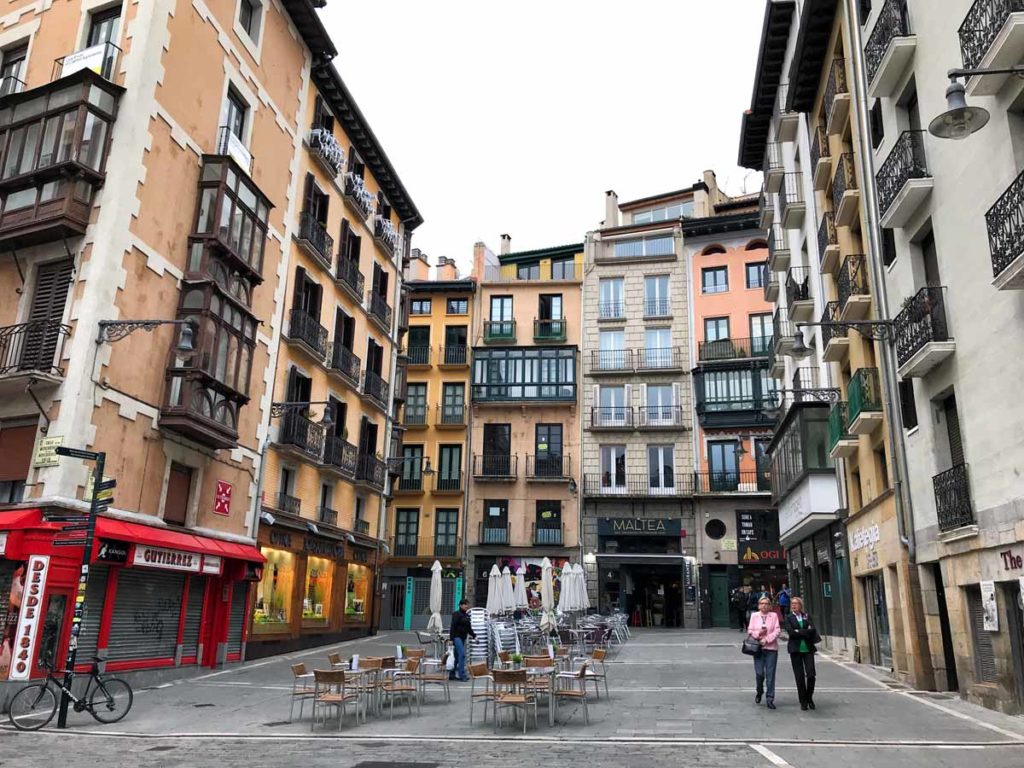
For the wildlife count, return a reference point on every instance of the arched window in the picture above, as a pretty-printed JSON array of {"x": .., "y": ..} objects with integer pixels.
[
  {"x": 756, "y": 245},
  {"x": 712, "y": 249}
]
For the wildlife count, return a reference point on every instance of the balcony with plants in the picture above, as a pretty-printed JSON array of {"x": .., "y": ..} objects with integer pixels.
[
  {"x": 904, "y": 181},
  {"x": 922, "y": 333},
  {"x": 889, "y": 49}
]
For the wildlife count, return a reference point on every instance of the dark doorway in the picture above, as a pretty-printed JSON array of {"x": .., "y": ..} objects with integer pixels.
[
  {"x": 655, "y": 598},
  {"x": 718, "y": 585},
  {"x": 949, "y": 657}
]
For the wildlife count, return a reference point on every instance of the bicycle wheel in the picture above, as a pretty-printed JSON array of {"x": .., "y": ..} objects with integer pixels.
[
  {"x": 110, "y": 700},
  {"x": 32, "y": 707}
]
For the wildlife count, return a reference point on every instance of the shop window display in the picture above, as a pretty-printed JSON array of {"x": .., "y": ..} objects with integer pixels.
[
  {"x": 357, "y": 593},
  {"x": 316, "y": 597},
  {"x": 274, "y": 593}
]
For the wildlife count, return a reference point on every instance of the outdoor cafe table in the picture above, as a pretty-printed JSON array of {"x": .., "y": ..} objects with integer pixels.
[{"x": 550, "y": 673}]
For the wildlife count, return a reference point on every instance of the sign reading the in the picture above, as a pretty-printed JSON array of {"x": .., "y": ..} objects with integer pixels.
[
  {"x": 168, "y": 559},
  {"x": 628, "y": 526},
  {"x": 222, "y": 498},
  {"x": 46, "y": 451},
  {"x": 1011, "y": 562},
  {"x": 27, "y": 629}
]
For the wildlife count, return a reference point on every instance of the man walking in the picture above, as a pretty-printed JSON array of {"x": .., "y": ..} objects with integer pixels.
[
  {"x": 461, "y": 628},
  {"x": 784, "y": 598},
  {"x": 739, "y": 607}
]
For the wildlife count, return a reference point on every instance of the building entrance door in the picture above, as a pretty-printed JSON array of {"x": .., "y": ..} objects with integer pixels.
[
  {"x": 718, "y": 584},
  {"x": 949, "y": 657},
  {"x": 878, "y": 621}
]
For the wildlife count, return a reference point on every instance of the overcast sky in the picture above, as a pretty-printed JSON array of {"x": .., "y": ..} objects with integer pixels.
[{"x": 517, "y": 116}]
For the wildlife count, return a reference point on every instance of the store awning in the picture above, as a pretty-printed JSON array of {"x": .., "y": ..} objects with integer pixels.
[
  {"x": 639, "y": 558},
  {"x": 136, "y": 533},
  {"x": 16, "y": 519}
]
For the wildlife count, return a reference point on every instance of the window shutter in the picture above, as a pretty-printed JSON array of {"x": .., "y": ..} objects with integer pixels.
[
  {"x": 597, "y": 396},
  {"x": 293, "y": 384},
  {"x": 316, "y": 299},
  {"x": 984, "y": 653},
  {"x": 299, "y": 288},
  {"x": 53, "y": 281},
  {"x": 628, "y": 399},
  {"x": 383, "y": 283},
  {"x": 676, "y": 395},
  {"x": 343, "y": 244},
  {"x": 308, "y": 201},
  {"x": 643, "y": 395}
]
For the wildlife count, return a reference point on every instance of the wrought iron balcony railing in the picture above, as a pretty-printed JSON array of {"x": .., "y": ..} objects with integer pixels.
[
  {"x": 548, "y": 535},
  {"x": 371, "y": 471},
  {"x": 379, "y": 309},
  {"x": 733, "y": 349},
  {"x": 499, "y": 330},
  {"x": 418, "y": 354},
  {"x": 953, "y": 498},
  {"x": 827, "y": 234},
  {"x": 659, "y": 307},
  {"x": 305, "y": 434},
  {"x": 376, "y": 388},
  {"x": 781, "y": 328},
  {"x": 361, "y": 526},
  {"x": 303, "y": 327},
  {"x": 798, "y": 285},
  {"x": 836, "y": 83},
  {"x": 33, "y": 347},
  {"x": 844, "y": 180},
  {"x": 415, "y": 415},
  {"x": 791, "y": 193},
  {"x": 661, "y": 417},
  {"x": 853, "y": 279},
  {"x": 611, "y": 417},
  {"x": 733, "y": 481},
  {"x": 829, "y": 332},
  {"x": 838, "y": 424},
  {"x": 905, "y": 162},
  {"x": 495, "y": 465},
  {"x": 341, "y": 455},
  {"x": 549, "y": 330},
  {"x": 314, "y": 236},
  {"x": 454, "y": 354},
  {"x": 448, "y": 483},
  {"x": 611, "y": 310},
  {"x": 494, "y": 534},
  {"x": 327, "y": 516},
  {"x": 350, "y": 277},
  {"x": 451, "y": 415},
  {"x": 611, "y": 360},
  {"x": 981, "y": 27},
  {"x": 344, "y": 361},
  {"x": 326, "y": 149},
  {"x": 1005, "y": 224},
  {"x": 778, "y": 240},
  {"x": 892, "y": 22},
  {"x": 865, "y": 393},
  {"x": 548, "y": 467},
  {"x": 290, "y": 504},
  {"x": 819, "y": 145},
  {"x": 654, "y": 358},
  {"x": 922, "y": 320},
  {"x": 640, "y": 485}
]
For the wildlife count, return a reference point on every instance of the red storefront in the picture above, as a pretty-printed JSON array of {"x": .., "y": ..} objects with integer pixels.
[{"x": 157, "y": 597}]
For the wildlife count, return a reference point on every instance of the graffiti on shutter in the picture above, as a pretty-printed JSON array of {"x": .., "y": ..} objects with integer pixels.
[
  {"x": 984, "y": 654},
  {"x": 147, "y": 608},
  {"x": 89, "y": 632},
  {"x": 236, "y": 620},
  {"x": 193, "y": 616}
]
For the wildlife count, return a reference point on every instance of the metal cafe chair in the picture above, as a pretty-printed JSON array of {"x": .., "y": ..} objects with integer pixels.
[
  {"x": 512, "y": 693},
  {"x": 402, "y": 683},
  {"x": 573, "y": 685},
  {"x": 334, "y": 688},
  {"x": 478, "y": 672},
  {"x": 301, "y": 689}
]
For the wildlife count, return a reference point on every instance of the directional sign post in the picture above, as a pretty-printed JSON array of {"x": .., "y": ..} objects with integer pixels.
[{"x": 101, "y": 499}]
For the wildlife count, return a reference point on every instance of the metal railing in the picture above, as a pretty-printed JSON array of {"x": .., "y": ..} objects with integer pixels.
[
  {"x": 906, "y": 161},
  {"x": 661, "y": 416},
  {"x": 349, "y": 276},
  {"x": 892, "y": 22},
  {"x": 638, "y": 484},
  {"x": 10, "y": 84},
  {"x": 229, "y": 145},
  {"x": 778, "y": 241},
  {"x": 819, "y": 145},
  {"x": 356, "y": 192},
  {"x": 410, "y": 473},
  {"x": 371, "y": 470},
  {"x": 303, "y": 327},
  {"x": 733, "y": 349},
  {"x": 289, "y": 504},
  {"x": 844, "y": 180},
  {"x": 375, "y": 388},
  {"x": 315, "y": 234},
  {"x": 611, "y": 360},
  {"x": 791, "y": 192},
  {"x": 107, "y": 53},
  {"x": 864, "y": 393},
  {"x": 361, "y": 526},
  {"x": 552, "y": 329},
  {"x": 733, "y": 481},
  {"x": 771, "y": 282},
  {"x": 327, "y": 515},
  {"x": 495, "y": 465},
  {"x": 305, "y": 434},
  {"x": 344, "y": 361},
  {"x": 611, "y": 310},
  {"x": 499, "y": 330},
  {"x": 379, "y": 308},
  {"x": 772, "y": 157},
  {"x": 782, "y": 98},
  {"x": 35, "y": 346},
  {"x": 447, "y": 483},
  {"x": 953, "y": 498},
  {"x": 780, "y": 326},
  {"x": 415, "y": 415},
  {"x": 838, "y": 424},
  {"x": 548, "y": 535},
  {"x": 418, "y": 354},
  {"x": 836, "y": 84},
  {"x": 981, "y": 27},
  {"x": 654, "y": 358},
  {"x": 1005, "y": 224},
  {"x": 341, "y": 454},
  {"x": 829, "y": 332},
  {"x": 552, "y": 467},
  {"x": 853, "y": 279},
  {"x": 494, "y": 534},
  {"x": 451, "y": 415},
  {"x": 452, "y": 354},
  {"x": 384, "y": 232},
  {"x": 326, "y": 149},
  {"x": 798, "y": 285},
  {"x": 827, "y": 234},
  {"x": 611, "y": 417},
  {"x": 660, "y": 307},
  {"x": 922, "y": 320}
]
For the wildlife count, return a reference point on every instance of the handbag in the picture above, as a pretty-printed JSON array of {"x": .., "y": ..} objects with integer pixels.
[{"x": 751, "y": 647}]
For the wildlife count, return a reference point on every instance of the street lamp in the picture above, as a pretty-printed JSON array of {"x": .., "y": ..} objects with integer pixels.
[
  {"x": 876, "y": 330},
  {"x": 959, "y": 120},
  {"x": 115, "y": 330}
]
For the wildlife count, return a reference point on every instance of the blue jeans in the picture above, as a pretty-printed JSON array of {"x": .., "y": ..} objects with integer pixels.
[
  {"x": 460, "y": 658},
  {"x": 764, "y": 668}
]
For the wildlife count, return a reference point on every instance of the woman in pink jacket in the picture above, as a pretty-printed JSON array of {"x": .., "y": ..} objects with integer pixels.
[{"x": 764, "y": 627}]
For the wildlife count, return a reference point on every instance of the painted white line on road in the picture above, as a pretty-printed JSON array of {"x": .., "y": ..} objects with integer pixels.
[{"x": 770, "y": 756}]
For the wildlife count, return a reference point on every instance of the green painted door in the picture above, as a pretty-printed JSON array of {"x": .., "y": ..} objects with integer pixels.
[{"x": 719, "y": 584}]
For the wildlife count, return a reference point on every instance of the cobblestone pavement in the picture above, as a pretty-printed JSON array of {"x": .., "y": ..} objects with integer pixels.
[{"x": 678, "y": 698}]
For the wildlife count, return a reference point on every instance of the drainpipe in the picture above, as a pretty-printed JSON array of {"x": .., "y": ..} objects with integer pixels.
[{"x": 890, "y": 389}]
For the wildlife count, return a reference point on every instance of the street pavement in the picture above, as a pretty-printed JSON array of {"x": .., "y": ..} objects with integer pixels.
[{"x": 678, "y": 698}]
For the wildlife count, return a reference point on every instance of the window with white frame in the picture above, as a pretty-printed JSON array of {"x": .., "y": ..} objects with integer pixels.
[
  {"x": 645, "y": 247},
  {"x": 250, "y": 18},
  {"x": 665, "y": 213}
]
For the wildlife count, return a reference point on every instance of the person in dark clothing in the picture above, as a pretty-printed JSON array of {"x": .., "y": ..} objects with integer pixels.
[
  {"x": 738, "y": 599},
  {"x": 461, "y": 628},
  {"x": 753, "y": 598},
  {"x": 802, "y": 637}
]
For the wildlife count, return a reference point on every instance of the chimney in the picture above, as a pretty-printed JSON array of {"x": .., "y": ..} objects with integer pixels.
[
  {"x": 419, "y": 266},
  {"x": 446, "y": 269},
  {"x": 506, "y": 244},
  {"x": 611, "y": 209}
]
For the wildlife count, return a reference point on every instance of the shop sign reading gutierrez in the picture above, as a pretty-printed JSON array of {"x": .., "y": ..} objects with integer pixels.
[
  {"x": 29, "y": 618},
  {"x": 176, "y": 560}
]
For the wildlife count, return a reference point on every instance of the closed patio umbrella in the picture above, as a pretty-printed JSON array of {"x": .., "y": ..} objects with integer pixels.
[
  {"x": 494, "y": 591},
  {"x": 547, "y": 597},
  {"x": 508, "y": 594},
  {"x": 567, "y": 590},
  {"x": 521, "y": 601},
  {"x": 435, "y": 624},
  {"x": 581, "y": 583}
]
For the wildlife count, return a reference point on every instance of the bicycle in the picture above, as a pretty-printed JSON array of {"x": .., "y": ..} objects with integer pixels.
[{"x": 107, "y": 699}]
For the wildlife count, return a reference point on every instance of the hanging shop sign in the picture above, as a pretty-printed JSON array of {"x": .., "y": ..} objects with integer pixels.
[
  {"x": 167, "y": 559},
  {"x": 222, "y": 498},
  {"x": 29, "y": 618},
  {"x": 629, "y": 526},
  {"x": 113, "y": 551}
]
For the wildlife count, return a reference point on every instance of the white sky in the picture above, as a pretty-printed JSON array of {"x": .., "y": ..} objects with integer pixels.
[{"x": 517, "y": 116}]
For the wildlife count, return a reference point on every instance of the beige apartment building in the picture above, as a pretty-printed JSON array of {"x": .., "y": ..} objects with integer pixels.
[{"x": 524, "y": 423}]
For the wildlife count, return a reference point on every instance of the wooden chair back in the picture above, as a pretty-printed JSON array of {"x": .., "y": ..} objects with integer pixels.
[
  {"x": 509, "y": 678},
  {"x": 369, "y": 663},
  {"x": 334, "y": 658},
  {"x": 412, "y": 665},
  {"x": 387, "y": 662},
  {"x": 477, "y": 670},
  {"x": 298, "y": 670},
  {"x": 329, "y": 677},
  {"x": 415, "y": 653},
  {"x": 599, "y": 654},
  {"x": 537, "y": 661},
  {"x": 504, "y": 656}
]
